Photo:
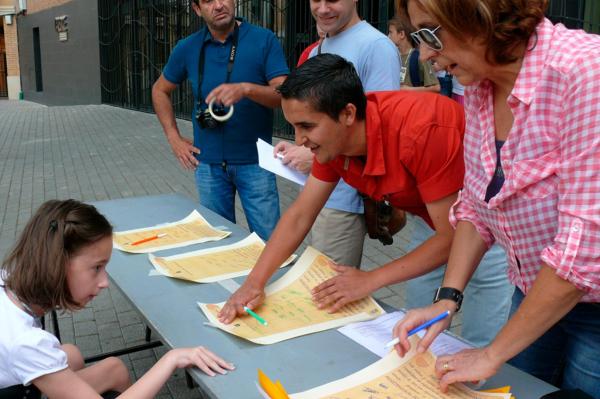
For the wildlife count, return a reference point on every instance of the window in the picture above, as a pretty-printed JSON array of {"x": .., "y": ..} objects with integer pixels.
[{"x": 37, "y": 59}]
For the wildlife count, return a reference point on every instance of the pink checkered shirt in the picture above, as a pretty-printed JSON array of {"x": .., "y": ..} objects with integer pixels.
[{"x": 548, "y": 209}]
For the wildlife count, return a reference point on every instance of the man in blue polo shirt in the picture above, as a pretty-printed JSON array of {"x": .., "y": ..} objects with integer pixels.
[{"x": 230, "y": 63}]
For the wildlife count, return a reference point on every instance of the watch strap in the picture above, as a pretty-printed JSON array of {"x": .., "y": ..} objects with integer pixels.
[{"x": 449, "y": 293}]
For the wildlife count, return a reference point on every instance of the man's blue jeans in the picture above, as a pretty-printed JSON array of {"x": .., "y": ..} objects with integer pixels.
[
  {"x": 257, "y": 188},
  {"x": 487, "y": 298},
  {"x": 567, "y": 355}
]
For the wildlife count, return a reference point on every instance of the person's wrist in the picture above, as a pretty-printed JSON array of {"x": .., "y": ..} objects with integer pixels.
[
  {"x": 377, "y": 279},
  {"x": 172, "y": 359},
  {"x": 447, "y": 304},
  {"x": 254, "y": 282},
  {"x": 173, "y": 135},
  {"x": 246, "y": 89},
  {"x": 496, "y": 354},
  {"x": 449, "y": 293}
]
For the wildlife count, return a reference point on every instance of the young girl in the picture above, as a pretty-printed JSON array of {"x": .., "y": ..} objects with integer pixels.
[{"x": 59, "y": 262}]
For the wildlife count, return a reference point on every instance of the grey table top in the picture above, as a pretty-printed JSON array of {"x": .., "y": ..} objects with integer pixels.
[{"x": 169, "y": 308}]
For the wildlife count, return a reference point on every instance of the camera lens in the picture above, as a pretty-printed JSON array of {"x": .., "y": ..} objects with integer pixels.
[{"x": 219, "y": 110}]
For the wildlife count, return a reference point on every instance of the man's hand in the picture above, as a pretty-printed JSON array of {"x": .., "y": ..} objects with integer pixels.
[
  {"x": 184, "y": 151},
  {"x": 227, "y": 94},
  {"x": 295, "y": 156},
  {"x": 349, "y": 285},
  {"x": 247, "y": 295}
]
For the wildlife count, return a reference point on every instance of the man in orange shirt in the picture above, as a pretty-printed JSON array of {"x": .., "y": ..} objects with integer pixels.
[{"x": 399, "y": 146}]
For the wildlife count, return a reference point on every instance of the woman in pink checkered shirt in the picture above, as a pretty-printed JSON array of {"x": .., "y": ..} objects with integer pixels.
[{"x": 532, "y": 183}]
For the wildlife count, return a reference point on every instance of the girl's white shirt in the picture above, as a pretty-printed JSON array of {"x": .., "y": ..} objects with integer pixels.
[{"x": 26, "y": 350}]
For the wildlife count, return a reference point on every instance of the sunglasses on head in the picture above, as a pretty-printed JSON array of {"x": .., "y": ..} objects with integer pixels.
[{"x": 428, "y": 37}]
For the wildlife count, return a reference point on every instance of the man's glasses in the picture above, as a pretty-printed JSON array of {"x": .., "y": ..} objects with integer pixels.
[{"x": 428, "y": 37}]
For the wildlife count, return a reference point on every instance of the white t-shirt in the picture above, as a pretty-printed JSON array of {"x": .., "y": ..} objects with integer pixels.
[
  {"x": 457, "y": 88},
  {"x": 26, "y": 351}
]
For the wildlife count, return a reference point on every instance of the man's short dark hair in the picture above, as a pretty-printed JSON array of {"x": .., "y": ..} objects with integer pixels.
[{"x": 328, "y": 83}]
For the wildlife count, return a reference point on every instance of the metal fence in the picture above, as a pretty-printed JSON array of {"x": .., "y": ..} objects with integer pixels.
[
  {"x": 576, "y": 14},
  {"x": 136, "y": 38}
]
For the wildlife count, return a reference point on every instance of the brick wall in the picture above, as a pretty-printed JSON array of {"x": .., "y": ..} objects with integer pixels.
[
  {"x": 34, "y": 6},
  {"x": 12, "y": 49}
]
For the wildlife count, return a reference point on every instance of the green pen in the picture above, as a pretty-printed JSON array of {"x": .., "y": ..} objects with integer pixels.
[{"x": 257, "y": 317}]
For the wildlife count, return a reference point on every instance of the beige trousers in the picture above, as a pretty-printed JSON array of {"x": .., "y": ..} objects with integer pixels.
[{"x": 340, "y": 235}]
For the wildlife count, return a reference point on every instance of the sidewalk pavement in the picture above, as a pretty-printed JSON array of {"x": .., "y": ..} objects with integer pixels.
[{"x": 100, "y": 152}]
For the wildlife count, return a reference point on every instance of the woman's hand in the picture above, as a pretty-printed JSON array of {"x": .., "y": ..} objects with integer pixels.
[
  {"x": 415, "y": 318},
  {"x": 200, "y": 357},
  {"x": 247, "y": 295},
  {"x": 466, "y": 366},
  {"x": 349, "y": 285}
]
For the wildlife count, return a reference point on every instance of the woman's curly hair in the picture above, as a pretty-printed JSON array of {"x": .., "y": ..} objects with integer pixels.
[{"x": 501, "y": 25}]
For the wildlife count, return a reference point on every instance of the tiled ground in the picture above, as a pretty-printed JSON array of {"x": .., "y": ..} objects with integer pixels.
[{"x": 99, "y": 152}]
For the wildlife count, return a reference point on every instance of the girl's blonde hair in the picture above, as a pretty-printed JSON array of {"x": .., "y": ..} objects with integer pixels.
[
  {"x": 35, "y": 270},
  {"x": 501, "y": 25}
]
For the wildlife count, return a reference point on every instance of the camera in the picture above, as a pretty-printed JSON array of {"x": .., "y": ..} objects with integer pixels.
[
  {"x": 213, "y": 116},
  {"x": 206, "y": 120}
]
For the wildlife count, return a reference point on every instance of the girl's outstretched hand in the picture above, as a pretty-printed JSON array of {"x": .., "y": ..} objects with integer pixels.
[{"x": 202, "y": 358}]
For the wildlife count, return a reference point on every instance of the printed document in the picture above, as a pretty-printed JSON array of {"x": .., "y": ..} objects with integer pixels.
[
  {"x": 267, "y": 161},
  {"x": 412, "y": 376},
  {"x": 288, "y": 307},
  {"x": 214, "y": 264},
  {"x": 193, "y": 229},
  {"x": 374, "y": 334}
]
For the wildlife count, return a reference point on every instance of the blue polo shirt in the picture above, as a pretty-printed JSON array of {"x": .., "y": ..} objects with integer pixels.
[{"x": 259, "y": 58}]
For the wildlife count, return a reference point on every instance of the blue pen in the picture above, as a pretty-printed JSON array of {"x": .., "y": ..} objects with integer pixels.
[{"x": 421, "y": 327}]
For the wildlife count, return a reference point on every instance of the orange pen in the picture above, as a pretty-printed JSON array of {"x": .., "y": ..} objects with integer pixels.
[{"x": 143, "y": 240}]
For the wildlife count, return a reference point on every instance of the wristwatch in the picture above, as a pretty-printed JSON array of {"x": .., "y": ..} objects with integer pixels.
[{"x": 449, "y": 293}]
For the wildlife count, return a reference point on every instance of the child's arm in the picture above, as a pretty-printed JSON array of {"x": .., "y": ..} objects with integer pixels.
[
  {"x": 69, "y": 384},
  {"x": 154, "y": 379}
]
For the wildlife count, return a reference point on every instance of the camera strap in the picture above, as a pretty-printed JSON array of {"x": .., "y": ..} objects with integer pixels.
[{"x": 201, "y": 60}]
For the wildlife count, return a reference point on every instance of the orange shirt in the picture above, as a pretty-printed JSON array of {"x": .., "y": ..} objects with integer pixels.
[{"x": 414, "y": 151}]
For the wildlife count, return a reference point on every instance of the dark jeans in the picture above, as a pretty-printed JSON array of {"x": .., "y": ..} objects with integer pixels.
[
  {"x": 256, "y": 187},
  {"x": 567, "y": 355}
]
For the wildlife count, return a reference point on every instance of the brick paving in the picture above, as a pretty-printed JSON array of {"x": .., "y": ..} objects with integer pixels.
[{"x": 100, "y": 152}]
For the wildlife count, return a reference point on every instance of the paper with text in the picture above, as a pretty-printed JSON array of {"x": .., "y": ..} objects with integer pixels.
[
  {"x": 267, "y": 161},
  {"x": 214, "y": 264},
  {"x": 374, "y": 334},
  {"x": 288, "y": 307},
  {"x": 193, "y": 229},
  {"x": 394, "y": 377}
]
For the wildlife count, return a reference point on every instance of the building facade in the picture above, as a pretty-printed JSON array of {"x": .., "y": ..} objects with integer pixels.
[
  {"x": 59, "y": 52},
  {"x": 10, "y": 79}
]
